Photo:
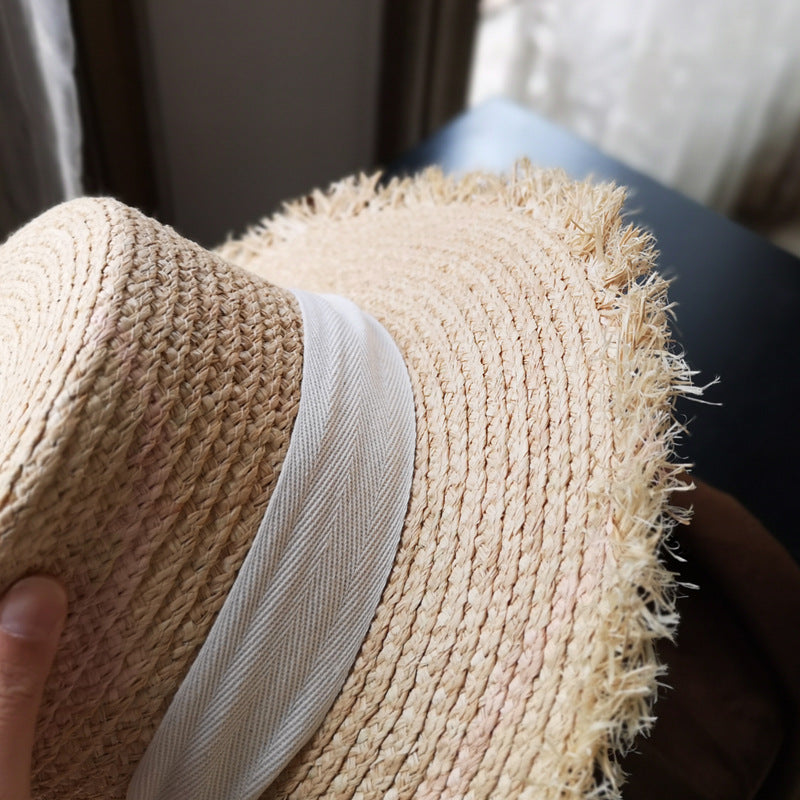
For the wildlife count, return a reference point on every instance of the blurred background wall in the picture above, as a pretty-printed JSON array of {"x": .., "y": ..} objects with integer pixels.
[
  {"x": 208, "y": 115},
  {"x": 251, "y": 103}
]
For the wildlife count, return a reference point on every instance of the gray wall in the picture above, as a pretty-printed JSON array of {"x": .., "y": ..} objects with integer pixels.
[{"x": 253, "y": 102}]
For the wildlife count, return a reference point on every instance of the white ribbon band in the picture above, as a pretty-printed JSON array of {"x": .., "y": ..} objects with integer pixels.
[{"x": 291, "y": 627}]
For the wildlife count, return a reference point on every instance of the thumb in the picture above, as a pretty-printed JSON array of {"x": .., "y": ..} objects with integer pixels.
[{"x": 32, "y": 615}]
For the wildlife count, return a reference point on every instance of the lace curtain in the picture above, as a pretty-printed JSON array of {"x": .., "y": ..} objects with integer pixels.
[
  {"x": 704, "y": 96},
  {"x": 40, "y": 129}
]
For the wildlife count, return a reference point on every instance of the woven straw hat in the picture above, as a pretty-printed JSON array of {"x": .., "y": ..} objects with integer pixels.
[{"x": 149, "y": 392}]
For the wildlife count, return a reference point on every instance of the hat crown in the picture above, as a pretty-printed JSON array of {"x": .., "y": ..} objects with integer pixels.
[{"x": 148, "y": 392}]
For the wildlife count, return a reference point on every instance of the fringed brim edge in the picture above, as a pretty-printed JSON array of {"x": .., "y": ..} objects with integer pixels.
[{"x": 649, "y": 374}]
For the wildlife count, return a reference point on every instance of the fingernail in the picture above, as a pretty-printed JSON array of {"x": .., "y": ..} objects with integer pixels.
[{"x": 33, "y": 608}]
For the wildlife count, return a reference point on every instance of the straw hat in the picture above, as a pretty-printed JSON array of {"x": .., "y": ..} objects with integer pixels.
[{"x": 150, "y": 390}]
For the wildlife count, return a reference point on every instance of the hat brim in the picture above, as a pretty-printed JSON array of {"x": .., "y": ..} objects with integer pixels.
[{"x": 512, "y": 652}]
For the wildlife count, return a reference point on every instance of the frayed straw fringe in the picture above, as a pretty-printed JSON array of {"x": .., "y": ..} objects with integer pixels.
[{"x": 648, "y": 376}]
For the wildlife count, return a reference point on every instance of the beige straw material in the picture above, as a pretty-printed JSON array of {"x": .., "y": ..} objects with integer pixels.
[
  {"x": 147, "y": 396},
  {"x": 512, "y": 653}
]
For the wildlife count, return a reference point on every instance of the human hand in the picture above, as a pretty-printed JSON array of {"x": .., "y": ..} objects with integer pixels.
[{"x": 32, "y": 614}]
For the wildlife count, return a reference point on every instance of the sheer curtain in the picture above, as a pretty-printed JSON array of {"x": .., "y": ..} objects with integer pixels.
[
  {"x": 40, "y": 129},
  {"x": 704, "y": 96}
]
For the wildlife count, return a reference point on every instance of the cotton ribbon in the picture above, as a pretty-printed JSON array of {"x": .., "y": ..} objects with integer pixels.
[{"x": 289, "y": 630}]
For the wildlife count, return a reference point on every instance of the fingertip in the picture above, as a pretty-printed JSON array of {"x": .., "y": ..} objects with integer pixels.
[
  {"x": 34, "y": 608},
  {"x": 32, "y": 614}
]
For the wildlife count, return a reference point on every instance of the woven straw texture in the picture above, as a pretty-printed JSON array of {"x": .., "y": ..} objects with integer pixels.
[
  {"x": 161, "y": 390},
  {"x": 512, "y": 652}
]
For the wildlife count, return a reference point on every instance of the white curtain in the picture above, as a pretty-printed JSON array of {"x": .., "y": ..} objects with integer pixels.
[
  {"x": 703, "y": 95},
  {"x": 40, "y": 128}
]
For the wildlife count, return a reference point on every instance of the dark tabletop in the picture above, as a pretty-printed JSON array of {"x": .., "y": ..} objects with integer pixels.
[{"x": 738, "y": 306}]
